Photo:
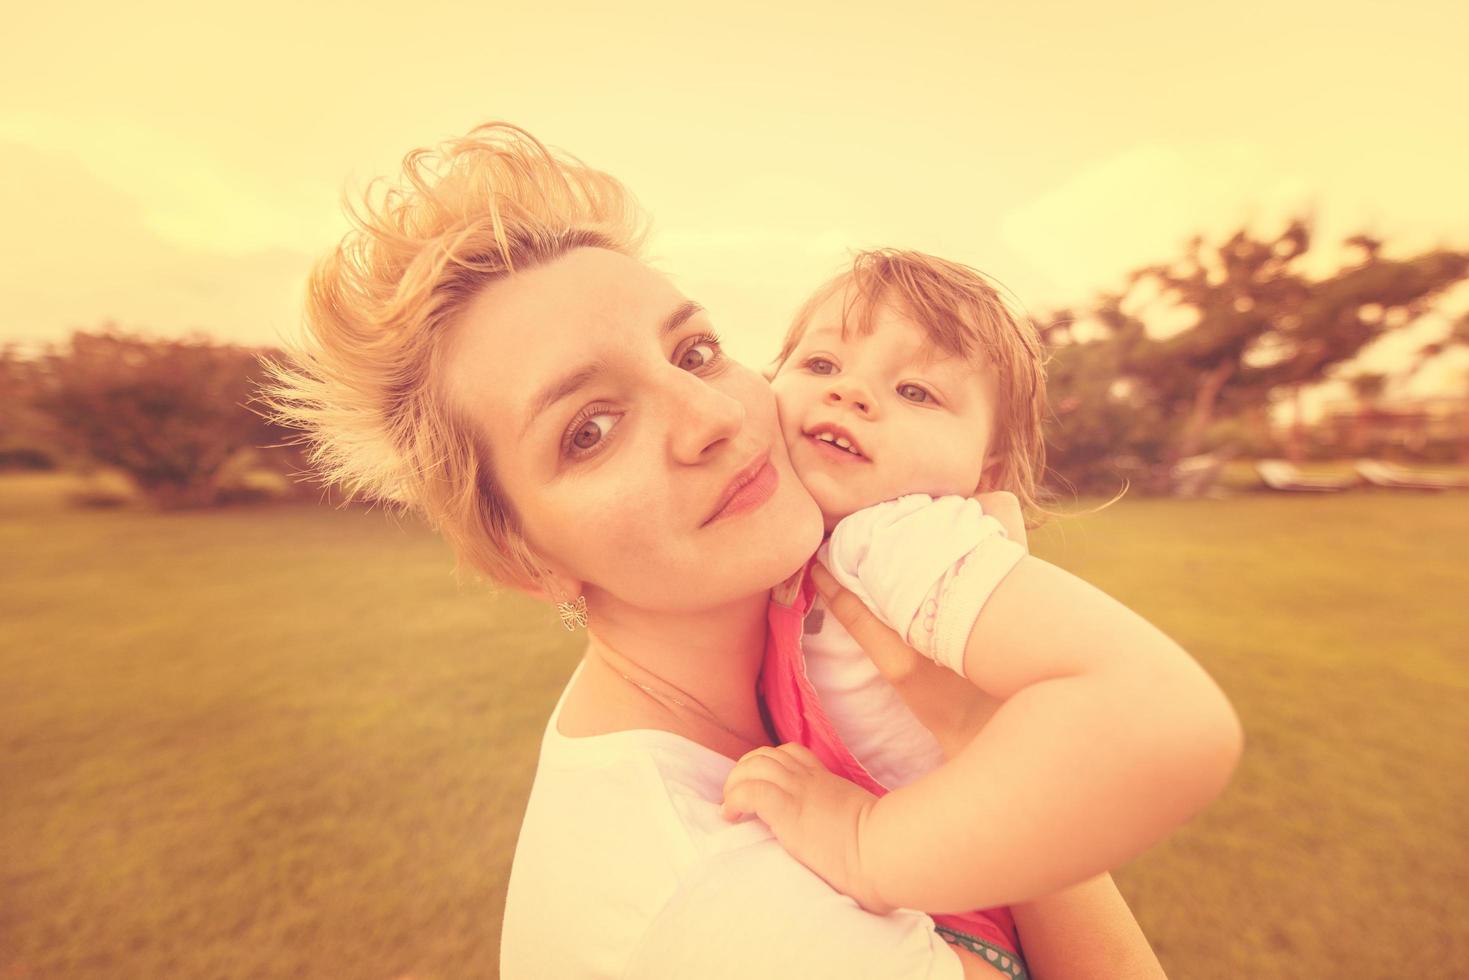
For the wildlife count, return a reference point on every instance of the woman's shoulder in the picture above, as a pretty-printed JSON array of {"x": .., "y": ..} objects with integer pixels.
[
  {"x": 651, "y": 789},
  {"x": 615, "y": 826},
  {"x": 625, "y": 867}
]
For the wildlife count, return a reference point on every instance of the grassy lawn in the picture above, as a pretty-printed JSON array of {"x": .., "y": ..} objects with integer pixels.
[{"x": 278, "y": 741}]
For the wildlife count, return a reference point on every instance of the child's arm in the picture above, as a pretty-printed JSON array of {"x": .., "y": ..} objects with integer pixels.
[{"x": 1109, "y": 737}]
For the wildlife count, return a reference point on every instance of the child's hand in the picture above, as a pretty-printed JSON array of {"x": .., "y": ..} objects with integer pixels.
[{"x": 814, "y": 814}]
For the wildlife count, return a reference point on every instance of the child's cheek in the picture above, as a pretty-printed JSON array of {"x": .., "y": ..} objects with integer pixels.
[{"x": 785, "y": 406}]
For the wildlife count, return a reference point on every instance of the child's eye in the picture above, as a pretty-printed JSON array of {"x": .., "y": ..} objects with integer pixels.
[
  {"x": 914, "y": 393},
  {"x": 704, "y": 352},
  {"x": 588, "y": 432},
  {"x": 820, "y": 365}
]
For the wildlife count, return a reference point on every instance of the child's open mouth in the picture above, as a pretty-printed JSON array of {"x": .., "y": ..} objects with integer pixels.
[{"x": 836, "y": 443}]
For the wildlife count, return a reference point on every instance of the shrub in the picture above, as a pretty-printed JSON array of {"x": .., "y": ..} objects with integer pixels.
[{"x": 169, "y": 413}]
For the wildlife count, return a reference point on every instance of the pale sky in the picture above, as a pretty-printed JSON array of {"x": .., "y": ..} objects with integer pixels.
[{"x": 177, "y": 166}]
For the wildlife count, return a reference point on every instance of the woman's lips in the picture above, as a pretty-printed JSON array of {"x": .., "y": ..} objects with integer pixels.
[{"x": 750, "y": 494}]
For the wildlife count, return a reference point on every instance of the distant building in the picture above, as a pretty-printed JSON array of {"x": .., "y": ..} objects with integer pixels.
[{"x": 1407, "y": 424}]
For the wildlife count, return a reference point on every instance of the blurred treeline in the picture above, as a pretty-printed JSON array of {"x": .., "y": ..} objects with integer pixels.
[
  {"x": 178, "y": 418},
  {"x": 1193, "y": 357},
  {"x": 1187, "y": 358}
]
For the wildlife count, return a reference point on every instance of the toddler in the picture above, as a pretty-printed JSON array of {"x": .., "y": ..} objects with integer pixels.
[{"x": 905, "y": 387}]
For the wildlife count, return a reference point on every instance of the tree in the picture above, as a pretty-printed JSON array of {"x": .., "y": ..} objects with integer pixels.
[
  {"x": 1254, "y": 323},
  {"x": 170, "y": 414},
  {"x": 1367, "y": 388},
  {"x": 1458, "y": 336},
  {"x": 1104, "y": 427},
  {"x": 27, "y": 439}
]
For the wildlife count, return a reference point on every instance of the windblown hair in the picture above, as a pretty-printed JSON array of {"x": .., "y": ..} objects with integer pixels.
[
  {"x": 364, "y": 386},
  {"x": 964, "y": 316}
]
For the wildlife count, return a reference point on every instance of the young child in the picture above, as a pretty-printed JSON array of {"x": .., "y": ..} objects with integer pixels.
[{"x": 905, "y": 387}]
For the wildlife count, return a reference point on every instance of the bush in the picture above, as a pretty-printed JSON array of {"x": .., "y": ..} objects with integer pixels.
[{"x": 169, "y": 413}]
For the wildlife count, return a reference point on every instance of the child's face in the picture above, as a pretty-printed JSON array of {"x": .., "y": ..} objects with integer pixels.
[{"x": 917, "y": 419}]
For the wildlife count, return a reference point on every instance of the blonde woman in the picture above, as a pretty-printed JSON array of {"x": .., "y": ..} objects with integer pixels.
[{"x": 487, "y": 349}]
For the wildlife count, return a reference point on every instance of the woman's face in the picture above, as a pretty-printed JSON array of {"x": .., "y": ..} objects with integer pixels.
[{"x": 634, "y": 451}]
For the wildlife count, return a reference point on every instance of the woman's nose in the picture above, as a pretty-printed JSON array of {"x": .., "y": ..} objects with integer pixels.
[{"x": 703, "y": 418}]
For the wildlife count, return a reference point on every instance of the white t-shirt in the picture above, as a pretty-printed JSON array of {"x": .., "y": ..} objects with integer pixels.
[
  {"x": 925, "y": 567},
  {"x": 625, "y": 869},
  {"x": 872, "y": 719}
]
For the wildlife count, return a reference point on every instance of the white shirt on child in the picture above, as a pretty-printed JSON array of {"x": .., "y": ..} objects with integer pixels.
[
  {"x": 924, "y": 567},
  {"x": 625, "y": 868},
  {"x": 872, "y": 720}
]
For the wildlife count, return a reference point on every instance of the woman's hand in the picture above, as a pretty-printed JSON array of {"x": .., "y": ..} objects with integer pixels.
[
  {"x": 815, "y": 814},
  {"x": 946, "y": 704}
]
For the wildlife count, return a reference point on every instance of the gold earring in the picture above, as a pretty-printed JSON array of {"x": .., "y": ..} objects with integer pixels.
[{"x": 573, "y": 614}]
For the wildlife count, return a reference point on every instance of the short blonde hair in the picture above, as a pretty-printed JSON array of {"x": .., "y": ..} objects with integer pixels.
[
  {"x": 364, "y": 387},
  {"x": 965, "y": 316}
]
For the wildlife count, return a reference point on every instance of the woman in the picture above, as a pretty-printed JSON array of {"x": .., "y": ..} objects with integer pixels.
[{"x": 487, "y": 349}]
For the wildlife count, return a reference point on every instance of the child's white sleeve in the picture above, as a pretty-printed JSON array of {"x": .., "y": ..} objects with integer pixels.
[{"x": 925, "y": 567}]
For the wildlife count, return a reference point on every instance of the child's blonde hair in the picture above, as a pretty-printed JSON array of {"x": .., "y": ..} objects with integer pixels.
[
  {"x": 964, "y": 316},
  {"x": 364, "y": 386}
]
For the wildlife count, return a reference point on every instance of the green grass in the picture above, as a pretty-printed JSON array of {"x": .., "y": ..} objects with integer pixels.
[
  {"x": 1337, "y": 627},
  {"x": 280, "y": 742}
]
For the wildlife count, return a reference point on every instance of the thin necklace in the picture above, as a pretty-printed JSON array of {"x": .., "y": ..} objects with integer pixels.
[{"x": 699, "y": 710}]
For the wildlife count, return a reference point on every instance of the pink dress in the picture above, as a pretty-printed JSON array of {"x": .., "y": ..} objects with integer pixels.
[{"x": 796, "y": 713}]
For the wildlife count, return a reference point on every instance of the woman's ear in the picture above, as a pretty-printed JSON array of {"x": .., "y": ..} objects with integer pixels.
[
  {"x": 552, "y": 585},
  {"x": 564, "y": 593}
]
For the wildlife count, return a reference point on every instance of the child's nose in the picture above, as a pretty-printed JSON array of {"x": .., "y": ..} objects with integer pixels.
[{"x": 847, "y": 392}]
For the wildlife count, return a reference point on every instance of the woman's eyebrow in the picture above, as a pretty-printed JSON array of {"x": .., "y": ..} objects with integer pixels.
[
  {"x": 569, "y": 384},
  {"x": 565, "y": 387},
  {"x": 686, "y": 311}
]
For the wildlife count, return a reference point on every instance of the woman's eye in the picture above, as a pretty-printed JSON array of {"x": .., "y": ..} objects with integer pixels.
[
  {"x": 702, "y": 354},
  {"x": 820, "y": 365},
  {"x": 913, "y": 393},
  {"x": 590, "y": 432}
]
